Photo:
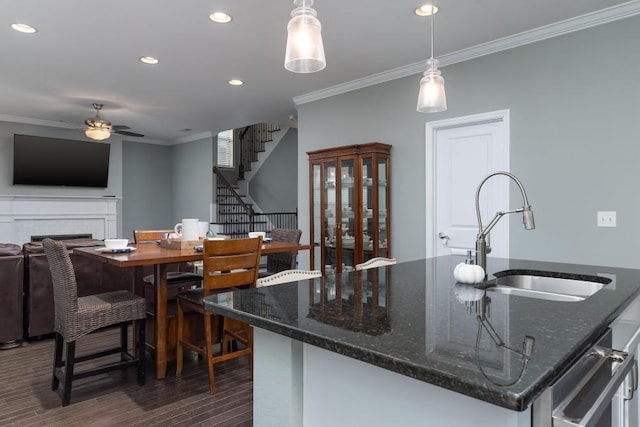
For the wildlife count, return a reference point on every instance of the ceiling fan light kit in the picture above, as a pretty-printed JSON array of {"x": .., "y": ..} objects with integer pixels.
[
  {"x": 97, "y": 134},
  {"x": 98, "y": 129}
]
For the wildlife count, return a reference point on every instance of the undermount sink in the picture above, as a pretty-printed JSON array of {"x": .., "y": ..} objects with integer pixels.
[{"x": 546, "y": 285}]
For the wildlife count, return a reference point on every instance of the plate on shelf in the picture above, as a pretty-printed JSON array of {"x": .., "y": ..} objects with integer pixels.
[
  {"x": 347, "y": 181},
  {"x": 116, "y": 251}
]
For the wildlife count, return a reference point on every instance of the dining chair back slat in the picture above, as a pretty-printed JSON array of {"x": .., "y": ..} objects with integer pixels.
[
  {"x": 150, "y": 236},
  {"x": 229, "y": 263}
]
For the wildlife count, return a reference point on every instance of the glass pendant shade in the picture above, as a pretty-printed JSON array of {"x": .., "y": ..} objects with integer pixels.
[
  {"x": 97, "y": 134},
  {"x": 305, "y": 51},
  {"x": 432, "y": 98}
]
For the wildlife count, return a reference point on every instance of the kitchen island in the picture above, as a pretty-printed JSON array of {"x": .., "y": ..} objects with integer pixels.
[{"x": 399, "y": 345}]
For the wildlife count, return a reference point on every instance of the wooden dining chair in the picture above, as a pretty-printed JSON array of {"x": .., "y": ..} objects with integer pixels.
[
  {"x": 76, "y": 317},
  {"x": 176, "y": 280},
  {"x": 227, "y": 264},
  {"x": 375, "y": 263},
  {"x": 182, "y": 277}
]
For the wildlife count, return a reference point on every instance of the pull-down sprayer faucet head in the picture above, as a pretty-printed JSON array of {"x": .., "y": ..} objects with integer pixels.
[{"x": 527, "y": 218}]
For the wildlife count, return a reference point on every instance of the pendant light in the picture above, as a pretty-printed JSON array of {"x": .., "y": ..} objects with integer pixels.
[
  {"x": 431, "y": 98},
  {"x": 305, "y": 52}
]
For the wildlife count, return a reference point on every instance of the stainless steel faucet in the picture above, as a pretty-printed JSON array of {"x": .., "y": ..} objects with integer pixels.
[{"x": 482, "y": 249}]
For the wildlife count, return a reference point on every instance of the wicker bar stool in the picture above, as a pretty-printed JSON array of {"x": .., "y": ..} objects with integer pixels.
[
  {"x": 76, "y": 317},
  {"x": 282, "y": 260}
]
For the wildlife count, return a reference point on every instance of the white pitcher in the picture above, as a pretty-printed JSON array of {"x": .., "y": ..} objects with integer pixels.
[
  {"x": 187, "y": 229},
  {"x": 203, "y": 227}
]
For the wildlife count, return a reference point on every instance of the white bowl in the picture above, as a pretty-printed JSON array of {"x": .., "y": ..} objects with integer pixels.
[
  {"x": 116, "y": 243},
  {"x": 254, "y": 234}
]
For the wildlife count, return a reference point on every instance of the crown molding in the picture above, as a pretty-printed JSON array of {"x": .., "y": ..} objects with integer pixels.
[
  {"x": 62, "y": 125},
  {"x": 38, "y": 122},
  {"x": 571, "y": 25}
]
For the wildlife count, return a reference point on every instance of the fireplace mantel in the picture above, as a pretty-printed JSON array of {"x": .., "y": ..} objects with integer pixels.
[{"x": 23, "y": 216}]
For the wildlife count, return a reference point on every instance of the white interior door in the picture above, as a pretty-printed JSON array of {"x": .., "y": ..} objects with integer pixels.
[{"x": 461, "y": 153}]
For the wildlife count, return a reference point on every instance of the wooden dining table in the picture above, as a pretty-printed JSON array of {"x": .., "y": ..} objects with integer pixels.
[{"x": 146, "y": 254}]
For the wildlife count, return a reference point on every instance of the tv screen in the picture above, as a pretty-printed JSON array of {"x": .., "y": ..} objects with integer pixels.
[{"x": 51, "y": 161}]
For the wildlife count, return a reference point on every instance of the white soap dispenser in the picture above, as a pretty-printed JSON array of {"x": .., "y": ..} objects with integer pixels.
[{"x": 468, "y": 272}]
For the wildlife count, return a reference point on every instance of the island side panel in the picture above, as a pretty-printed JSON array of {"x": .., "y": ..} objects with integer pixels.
[
  {"x": 341, "y": 391},
  {"x": 277, "y": 380}
]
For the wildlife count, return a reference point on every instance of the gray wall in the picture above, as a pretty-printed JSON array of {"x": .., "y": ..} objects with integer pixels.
[
  {"x": 573, "y": 101},
  {"x": 7, "y": 130},
  {"x": 147, "y": 198},
  {"x": 192, "y": 180},
  {"x": 274, "y": 186}
]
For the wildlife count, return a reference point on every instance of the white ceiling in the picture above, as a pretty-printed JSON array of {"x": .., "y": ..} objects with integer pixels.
[{"x": 87, "y": 51}]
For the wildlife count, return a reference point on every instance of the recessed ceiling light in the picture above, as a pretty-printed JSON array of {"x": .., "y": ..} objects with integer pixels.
[
  {"x": 427, "y": 10},
  {"x": 235, "y": 82},
  {"x": 220, "y": 17},
  {"x": 149, "y": 60},
  {"x": 24, "y": 28}
]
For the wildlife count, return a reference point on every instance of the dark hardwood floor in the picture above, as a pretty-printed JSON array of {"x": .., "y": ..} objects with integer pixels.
[{"x": 115, "y": 399}]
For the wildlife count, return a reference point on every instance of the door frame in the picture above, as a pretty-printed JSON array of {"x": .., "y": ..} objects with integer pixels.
[{"x": 431, "y": 130}]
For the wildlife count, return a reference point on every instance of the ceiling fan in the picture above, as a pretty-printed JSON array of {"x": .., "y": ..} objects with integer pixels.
[{"x": 100, "y": 129}]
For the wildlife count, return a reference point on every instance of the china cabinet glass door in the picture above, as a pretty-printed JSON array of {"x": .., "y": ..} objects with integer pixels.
[
  {"x": 330, "y": 208},
  {"x": 317, "y": 185},
  {"x": 382, "y": 220},
  {"x": 348, "y": 228}
]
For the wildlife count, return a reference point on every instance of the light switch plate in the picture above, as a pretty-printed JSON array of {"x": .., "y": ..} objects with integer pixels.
[{"x": 607, "y": 219}]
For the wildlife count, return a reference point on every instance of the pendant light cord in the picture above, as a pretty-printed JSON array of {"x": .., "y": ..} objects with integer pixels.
[{"x": 433, "y": 8}]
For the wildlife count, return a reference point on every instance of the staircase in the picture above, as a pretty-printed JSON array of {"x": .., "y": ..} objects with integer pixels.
[
  {"x": 235, "y": 217},
  {"x": 252, "y": 141}
]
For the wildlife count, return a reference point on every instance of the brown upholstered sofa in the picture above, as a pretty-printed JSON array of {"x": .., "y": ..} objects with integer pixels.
[
  {"x": 11, "y": 282},
  {"x": 92, "y": 277}
]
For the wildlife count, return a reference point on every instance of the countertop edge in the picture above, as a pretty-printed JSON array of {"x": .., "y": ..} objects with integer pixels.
[{"x": 402, "y": 367}]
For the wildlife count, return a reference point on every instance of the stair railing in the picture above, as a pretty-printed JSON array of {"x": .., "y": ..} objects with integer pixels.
[
  {"x": 269, "y": 221},
  {"x": 247, "y": 209}
]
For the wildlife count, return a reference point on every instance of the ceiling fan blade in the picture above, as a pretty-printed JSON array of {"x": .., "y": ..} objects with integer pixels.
[
  {"x": 120, "y": 127},
  {"x": 127, "y": 133}
]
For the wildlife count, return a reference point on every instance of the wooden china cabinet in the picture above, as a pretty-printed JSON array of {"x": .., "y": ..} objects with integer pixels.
[{"x": 350, "y": 205}]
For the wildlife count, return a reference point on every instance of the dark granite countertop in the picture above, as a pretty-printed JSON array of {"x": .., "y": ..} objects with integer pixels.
[{"x": 412, "y": 318}]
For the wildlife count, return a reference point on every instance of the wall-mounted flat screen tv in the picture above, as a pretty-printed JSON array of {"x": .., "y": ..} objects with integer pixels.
[{"x": 61, "y": 162}]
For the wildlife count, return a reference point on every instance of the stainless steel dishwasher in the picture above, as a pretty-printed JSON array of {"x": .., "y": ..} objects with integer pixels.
[{"x": 582, "y": 396}]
